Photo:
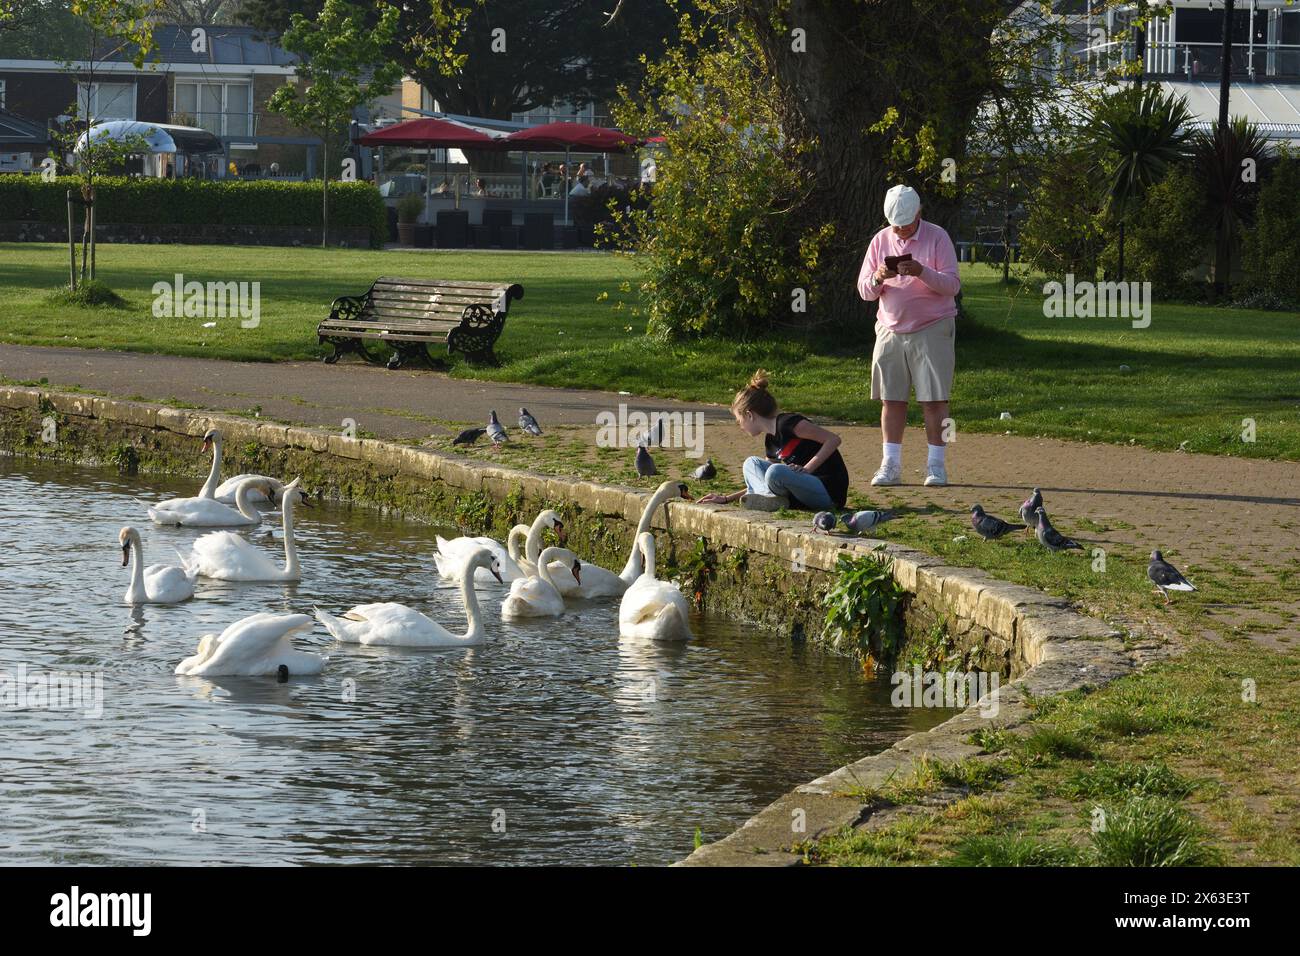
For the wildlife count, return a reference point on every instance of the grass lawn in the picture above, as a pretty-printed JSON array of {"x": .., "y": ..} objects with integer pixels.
[{"x": 1189, "y": 379}]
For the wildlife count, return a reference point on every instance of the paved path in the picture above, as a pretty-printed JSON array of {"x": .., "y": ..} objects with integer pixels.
[{"x": 1209, "y": 511}]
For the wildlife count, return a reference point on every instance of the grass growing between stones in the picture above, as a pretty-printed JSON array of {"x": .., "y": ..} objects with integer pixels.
[{"x": 1190, "y": 762}]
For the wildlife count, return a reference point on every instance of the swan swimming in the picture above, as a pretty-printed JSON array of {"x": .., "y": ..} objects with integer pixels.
[
  {"x": 208, "y": 513},
  {"x": 451, "y": 554},
  {"x": 537, "y": 596},
  {"x": 652, "y": 609},
  {"x": 255, "y": 646},
  {"x": 227, "y": 556},
  {"x": 225, "y": 491},
  {"x": 156, "y": 584},
  {"x": 396, "y": 625}
]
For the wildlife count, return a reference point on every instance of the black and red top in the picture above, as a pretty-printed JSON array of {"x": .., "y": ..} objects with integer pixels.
[{"x": 789, "y": 449}]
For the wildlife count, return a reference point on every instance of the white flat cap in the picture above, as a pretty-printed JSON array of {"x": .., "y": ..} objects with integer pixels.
[{"x": 902, "y": 203}]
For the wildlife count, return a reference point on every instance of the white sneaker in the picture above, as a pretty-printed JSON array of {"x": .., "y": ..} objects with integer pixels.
[
  {"x": 890, "y": 473},
  {"x": 938, "y": 476}
]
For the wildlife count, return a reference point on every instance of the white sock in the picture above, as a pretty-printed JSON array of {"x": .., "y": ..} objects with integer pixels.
[
  {"x": 893, "y": 454},
  {"x": 934, "y": 455}
]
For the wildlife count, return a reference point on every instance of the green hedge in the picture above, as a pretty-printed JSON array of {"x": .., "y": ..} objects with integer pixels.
[{"x": 198, "y": 201}]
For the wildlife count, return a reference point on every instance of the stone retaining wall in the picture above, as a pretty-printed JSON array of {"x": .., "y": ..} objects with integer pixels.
[{"x": 734, "y": 560}]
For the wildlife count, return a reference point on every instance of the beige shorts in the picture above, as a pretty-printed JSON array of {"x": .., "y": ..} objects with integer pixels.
[{"x": 921, "y": 360}]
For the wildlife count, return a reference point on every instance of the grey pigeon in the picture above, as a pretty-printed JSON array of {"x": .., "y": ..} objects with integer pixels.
[
  {"x": 1050, "y": 538},
  {"x": 824, "y": 521},
  {"x": 861, "y": 521},
  {"x": 1166, "y": 577},
  {"x": 528, "y": 423},
  {"x": 495, "y": 430},
  {"x": 469, "y": 436},
  {"x": 705, "y": 472},
  {"x": 1029, "y": 510},
  {"x": 645, "y": 465},
  {"x": 990, "y": 526}
]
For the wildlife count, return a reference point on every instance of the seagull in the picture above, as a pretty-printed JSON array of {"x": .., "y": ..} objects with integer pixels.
[
  {"x": 1050, "y": 538},
  {"x": 528, "y": 423},
  {"x": 1166, "y": 577},
  {"x": 861, "y": 521},
  {"x": 495, "y": 430},
  {"x": 824, "y": 522},
  {"x": 705, "y": 472},
  {"x": 469, "y": 436},
  {"x": 1028, "y": 510},
  {"x": 990, "y": 526},
  {"x": 645, "y": 465}
]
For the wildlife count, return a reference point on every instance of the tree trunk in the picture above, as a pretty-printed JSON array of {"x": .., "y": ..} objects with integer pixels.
[
  {"x": 1120, "y": 268},
  {"x": 1222, "y": 253},
  {"x": 862, "y": 58},
  {"x": 324, "y": 192},
  {"x": 72, "y": 248}
]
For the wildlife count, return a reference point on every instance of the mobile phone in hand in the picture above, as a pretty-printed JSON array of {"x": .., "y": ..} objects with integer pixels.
[{"x": 891, "y": 262}]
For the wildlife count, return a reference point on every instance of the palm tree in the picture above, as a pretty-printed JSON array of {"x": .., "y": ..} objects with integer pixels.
[
  {"x": 1227, "y": 162},
  {"x": 1139, "y": 132}
]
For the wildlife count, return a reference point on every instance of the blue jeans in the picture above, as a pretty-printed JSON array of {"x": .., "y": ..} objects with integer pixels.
[{"x": 763, "y": 477}]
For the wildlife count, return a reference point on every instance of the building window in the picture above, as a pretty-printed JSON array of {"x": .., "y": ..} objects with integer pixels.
[
  {"x": 224, "y": 109},
  {"x": 100, "y": 102},
  {"x": 2, "y": 94}
]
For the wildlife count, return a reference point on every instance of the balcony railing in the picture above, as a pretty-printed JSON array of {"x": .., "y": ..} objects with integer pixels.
[
  {"x": 1190, "y": 61},
  {"x": 219, "y": 124}
]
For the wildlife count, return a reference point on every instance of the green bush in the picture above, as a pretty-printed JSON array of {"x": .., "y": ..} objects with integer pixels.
[
  {"x": 1063, "y": 232},
  {"x": 1272, "y": 248},
  {"x": 1166, "y": 236},
  {"x": 123, "y": 199}
]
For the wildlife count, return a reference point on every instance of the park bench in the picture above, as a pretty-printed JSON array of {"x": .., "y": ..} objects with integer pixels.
[{"x": 410, "y": 315}]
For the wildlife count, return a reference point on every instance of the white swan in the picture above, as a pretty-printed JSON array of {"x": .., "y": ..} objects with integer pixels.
[
  {"x": 396, "y": 625},
  {"x": 207, "y": 513},
  {"x": 515, "y": 548},
  {"x": 452, "y": 554},
  {"x": 227, "y": 556},
  {"x": 598, "y": 582},
  {"x": 652, "y": 609},
  {"x": 156, "y": 584},
  {"x": 225, "y": 491},
  {"x": 538, "y": 596},
  {"x": 253, "y": 647}
]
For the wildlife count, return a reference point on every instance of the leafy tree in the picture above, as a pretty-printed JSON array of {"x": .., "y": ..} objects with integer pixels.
[
  {"x": 342, "y": 66},
  {"x": 1140, "y": 133},
  {"x": 1228, "y": 162},
  {"x": 1064, "y": 230},
  {"x": 1167, "y": 236},
  {"x": 41, "y": 30},
  {"x": 1272, "y": 245}
]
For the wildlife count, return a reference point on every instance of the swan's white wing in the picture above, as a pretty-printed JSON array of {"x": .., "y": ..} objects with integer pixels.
[
  {"x": 654, "y": 609},
  {"x": 226, "y": 490},
  {"x": 258, "y": 645},
  {"x": 453, "y": 554},
  {"x": 229, "y": 557},
  {"x": 167, "y": 584},
  {"x": 597, "y": 582},
  {"x": 532, "y": 597},
  {"x": 198, "y": 513}
]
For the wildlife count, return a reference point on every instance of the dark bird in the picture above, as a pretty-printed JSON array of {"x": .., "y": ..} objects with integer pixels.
[
  {"x": 861, "y": 521},
  {"x": 469, "y": 436},
  {"x": 282, "y": 674},
  {"x": 824, "y": 521},
  {"x": 1050, "y": 538},
  {"x": 990, "y": 526},
  {"x": 528, "y": 423},
  {"x": 1166, "y": 577},
  {"x": 645, "y": 465},
  {"x": 495, "y": 430},
  {"x": 1028, "y": 510},
  {"x": 705, "y": 472}
]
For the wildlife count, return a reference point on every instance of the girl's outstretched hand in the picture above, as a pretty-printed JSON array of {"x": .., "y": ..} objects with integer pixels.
[{"x": 714, "y": 497}]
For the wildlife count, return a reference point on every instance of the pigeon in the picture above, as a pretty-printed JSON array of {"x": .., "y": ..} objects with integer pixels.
[
  {"x": 705, "y": 472},
  {"x": 824, "y": 522},
  {"x": 645, "y": 465},
  {"x": 495, "y": 430},
  {"x": 528, "y": 423},
  {"x": 990, "y": 526},
  {"x": 1028, "y": 510},
  {"x": 861, "y": 521},
  {"x": 1166, "y": 577},
  {"x": 1049, "y": 537},
  {"x": 469, "y": 436}
]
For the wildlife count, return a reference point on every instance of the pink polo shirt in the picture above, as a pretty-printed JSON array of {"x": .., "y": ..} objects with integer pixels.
[{"x": 909, "y": 303}]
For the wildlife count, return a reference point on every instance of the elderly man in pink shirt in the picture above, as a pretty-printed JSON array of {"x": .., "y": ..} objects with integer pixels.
[{"x": 915, "y": 329}]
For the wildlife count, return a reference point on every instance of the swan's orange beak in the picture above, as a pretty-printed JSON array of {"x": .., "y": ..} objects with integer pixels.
[
  {"x": 577, "y": 571},
  {"x": 126, "y": 553},
  {"x": 207, "y": 444},
  {"x": 496, "y": 574},
  {"x": 560, "y": 533},
  {"x": 684, "y": 491}
]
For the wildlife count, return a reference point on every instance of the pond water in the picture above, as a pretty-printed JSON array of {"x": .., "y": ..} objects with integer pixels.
[{"x": 545, "y": 745}]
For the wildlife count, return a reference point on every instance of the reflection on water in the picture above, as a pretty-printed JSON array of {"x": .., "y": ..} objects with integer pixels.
[{"x": 552, "y": 743}]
